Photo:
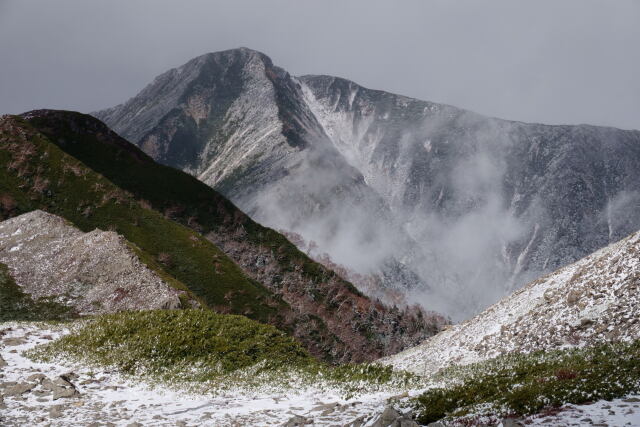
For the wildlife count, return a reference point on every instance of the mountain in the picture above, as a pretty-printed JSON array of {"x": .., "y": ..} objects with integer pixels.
[
  {"x": 590, "y": 302},
  {"x": 93, "y": 273},
  {"x": 73, "y": 166},
  {"x": 451, "y": 207}
]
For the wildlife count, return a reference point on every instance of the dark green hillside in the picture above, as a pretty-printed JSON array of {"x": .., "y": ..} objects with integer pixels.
[
  {"x": 179, "y": 195},
  {"x": 36, "y": 174},
  {"x": 73, "y": 165}
]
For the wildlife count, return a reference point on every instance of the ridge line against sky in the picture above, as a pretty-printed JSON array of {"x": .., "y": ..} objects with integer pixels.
[{"x": 574, "y": 61}]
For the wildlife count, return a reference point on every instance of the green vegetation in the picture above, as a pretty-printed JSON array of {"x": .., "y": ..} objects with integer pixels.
[
  {"x": 36, "y": 174},
  {"x": 186, "y": 346},
  {"x": 524, "y": 384},
  {"x": 15, "y": 305},
  {"x": 179, "y": 195},
  {"x": 72, "y": 165}
]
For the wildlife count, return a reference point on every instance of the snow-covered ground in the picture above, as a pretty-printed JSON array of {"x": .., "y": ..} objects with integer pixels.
[
  {"x": 618, "y": 412},
  {"x": 593, "y": 300},
  {"x": 105, "y": 397}
]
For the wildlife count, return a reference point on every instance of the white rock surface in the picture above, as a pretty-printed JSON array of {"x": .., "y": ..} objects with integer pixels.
[
  {"x": 593, "y": 300},
  {"x": 95, "y": 272}
]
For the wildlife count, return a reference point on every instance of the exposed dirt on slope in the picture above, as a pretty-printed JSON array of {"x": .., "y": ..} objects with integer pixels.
[{"x": 95, "y": 272}]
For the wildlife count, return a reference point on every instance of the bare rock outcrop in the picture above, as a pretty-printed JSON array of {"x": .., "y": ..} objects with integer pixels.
[{"x": 95, "y": 272}]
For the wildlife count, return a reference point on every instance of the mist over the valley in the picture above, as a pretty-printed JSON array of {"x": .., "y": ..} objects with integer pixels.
[{"x": 448, "y": 208}]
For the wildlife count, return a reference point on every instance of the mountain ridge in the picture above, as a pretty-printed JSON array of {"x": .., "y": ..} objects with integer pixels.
[
  {"x": 239, "y": 267},
  {"x": 382, "y": 179}
]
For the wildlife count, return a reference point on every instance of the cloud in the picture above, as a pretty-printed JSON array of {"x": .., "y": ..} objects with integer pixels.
[{"x": 543, "y": 61}]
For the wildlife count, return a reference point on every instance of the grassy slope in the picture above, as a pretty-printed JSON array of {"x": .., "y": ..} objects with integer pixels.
[
  {"x": 36, "y": 174},
  {"x": 522, "y": 384},
  {"x": 187, "y": 346}
]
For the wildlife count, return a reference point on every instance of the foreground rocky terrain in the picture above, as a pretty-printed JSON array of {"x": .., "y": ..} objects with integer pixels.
[
  {"x": 455, "y": 208},
  {"x": 64, "y": 393}
]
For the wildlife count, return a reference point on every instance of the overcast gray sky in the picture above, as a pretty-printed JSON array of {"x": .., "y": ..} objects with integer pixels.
[{"x": 569, "y": 61}]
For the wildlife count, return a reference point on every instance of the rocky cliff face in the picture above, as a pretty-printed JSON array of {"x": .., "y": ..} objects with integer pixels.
[
  {"x": 592, "y": 301},
  {"x": 467, "y": 208},
  {"x": 94, "y": 273}
]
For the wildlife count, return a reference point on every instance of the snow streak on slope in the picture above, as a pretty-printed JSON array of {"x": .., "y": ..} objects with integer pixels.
[
  {"x": 468, "y": 207},
  {"x": 492, "y": 204},
  {"x": 593, "y": 300}
]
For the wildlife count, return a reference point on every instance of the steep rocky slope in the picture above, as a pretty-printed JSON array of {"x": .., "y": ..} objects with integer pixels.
[
  {"x": 95, "y": 272},
  {"x": 74, "y": 166},
  {"x": 460, "y": 208},
  {"x": 591, "y": 301},
  {"x": 243, "y": 126}
]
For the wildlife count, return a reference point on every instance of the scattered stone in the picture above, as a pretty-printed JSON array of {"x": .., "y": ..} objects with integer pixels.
[
  {"x": 326, "y": 409},
  {"x": 69, "y": 376},
  {"x": 573, "y": 296},
  {"x": 37, "y": 378},
  {"x": 3, "y": 363},
  {"x": 585, "y": 321},
  {"x": 358, "y": 422},
  {"x": 399, "y": 396},
  {"x": 56, "y": 411},
  {"x": 511, "y": 422},
  {"x": 388, "y": 416},
  {"x": 134, "y": 424},
  {"x": 19, "y": 389},
  {"x": 14, "y": 341},
  {"x": 297, "y": 420},
  {"x": 61, "y": 388},
  {"x": 392, "y": 418},
  {"x": 631, "y": 400}
]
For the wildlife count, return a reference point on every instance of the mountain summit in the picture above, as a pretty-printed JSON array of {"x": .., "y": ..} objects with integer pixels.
[{"x": 452, "y": 207}]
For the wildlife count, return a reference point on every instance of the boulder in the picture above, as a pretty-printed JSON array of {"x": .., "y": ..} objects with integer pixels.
[
  {"x": 19, "y": 389},
  {"x": 297, "y": 420}
]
